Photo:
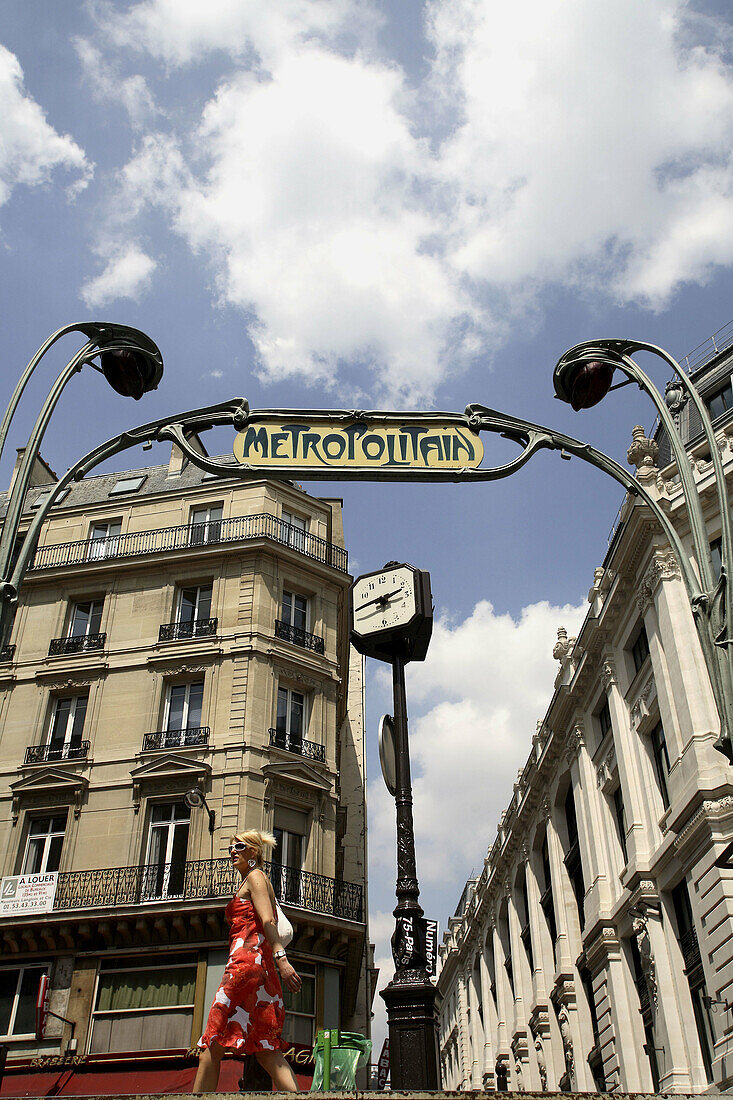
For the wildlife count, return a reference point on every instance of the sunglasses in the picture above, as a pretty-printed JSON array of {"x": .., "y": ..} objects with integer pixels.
[{"x": 238, "y": 847}]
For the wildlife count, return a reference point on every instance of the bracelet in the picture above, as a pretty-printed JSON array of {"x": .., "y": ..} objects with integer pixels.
[{"x": 279, "y": 955}]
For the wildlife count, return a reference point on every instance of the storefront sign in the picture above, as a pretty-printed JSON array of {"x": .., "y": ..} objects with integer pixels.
[
  {"x": 426, "y": 446},
  {"x": 27, "y": 894},
  {"x": 431, "y": 946},
  {"x": 42, "y": 1007},
  {"x": 383, "y": 1066}
]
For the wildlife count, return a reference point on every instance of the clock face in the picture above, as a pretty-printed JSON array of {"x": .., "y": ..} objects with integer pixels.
[{"x": 383, "y": 601}]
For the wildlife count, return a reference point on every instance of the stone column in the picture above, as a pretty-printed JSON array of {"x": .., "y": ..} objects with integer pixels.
[
  {"x": 538, "y": 934},
  {"x": 463, "y": 1033},
  {"x": 522, "y": 997},
  {"x": 504, "y": 1001},
  {"x": 490, "y": 1021},
  {"x": 477, "y": 1030}
]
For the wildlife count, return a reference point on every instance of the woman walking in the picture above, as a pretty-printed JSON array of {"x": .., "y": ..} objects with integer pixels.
[{"x": 248, "y": 1011}]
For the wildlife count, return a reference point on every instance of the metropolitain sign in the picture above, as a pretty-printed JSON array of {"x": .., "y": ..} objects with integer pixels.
[{"x": 310, "y": 444}]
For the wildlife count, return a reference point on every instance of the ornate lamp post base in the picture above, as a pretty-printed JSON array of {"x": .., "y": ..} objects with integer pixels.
[{"x": 412, "y": 1013}]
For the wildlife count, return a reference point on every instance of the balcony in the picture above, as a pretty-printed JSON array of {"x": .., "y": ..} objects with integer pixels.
[
  {"x": 119, "y": 886},
  {"x": 188, "y": 738},
  {"x": 164, "y": 540},
  {"x": 46, "y": 754},
  {"x": 76, "y": 643},
  {"x": 7, "y": 652},
  {"x": 298, "y": 637},
  {"x": 291, "y": 743},
  {"x": 194, "y": 628}
]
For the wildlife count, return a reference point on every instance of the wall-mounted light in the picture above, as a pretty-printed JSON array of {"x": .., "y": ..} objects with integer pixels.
[{"x": 194, "y": 798}]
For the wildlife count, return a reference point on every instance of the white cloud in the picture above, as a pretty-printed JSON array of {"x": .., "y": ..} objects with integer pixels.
[
  {"x": 378, "y": 237},
  {"x": 131, "y": 92},
  {"x": 30, "y": 149},
  {"x": 180, "y": 32},
  {"x": 477, "y": 698},
  {"x": 126, "y": 275},
  {"x": 593, "y": 146}
]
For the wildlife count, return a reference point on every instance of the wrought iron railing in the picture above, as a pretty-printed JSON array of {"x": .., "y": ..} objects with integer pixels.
[
  {"x": 690, "y": 949},
  {"x": 117, "y": 886},
  {"x": 42, "y": 754},
  {"x": 165, "y": 539},
  {"x": 76, "y": 643},
  {"x": 194, "y": 628},
  {"x": 298, "y": 637},
  {"x": 176, "y": 739},
  {"x": 288, "y": 741},
  {"x": 7, "y": 652}
]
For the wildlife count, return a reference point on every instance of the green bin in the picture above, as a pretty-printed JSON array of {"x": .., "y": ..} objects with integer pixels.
[{"x": 338, "y": 1055}]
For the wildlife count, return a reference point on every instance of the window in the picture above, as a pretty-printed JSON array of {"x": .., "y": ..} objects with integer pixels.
[
  {"x": 295, "y": 610},
  {"x": 104, "y": 539},
  {"x": 720, "y": 401},
  {"x": 67, "y": 726},
  {"x": 716, "y": 553},
  {"x": 205, "y": 525},
  {"x": 127, "y": 485},
  {"x": 43, "y": 497},
  {"x": 194, "y": 608},
  {"x": 143, "y": 1004},
  {"x": 523, "y": 909},
  {"x": 291, "y": 831},
  {"x": 572, "y": 858},
  {"x": 687, "y": 938},
  {"x": 604, "y": 719},
  {"x": 165, "y": 872},
  {"x": 86, "y": 619},
  {"x": 300, "y": 1008},
  {"x": 184, "y": 705},
  {"x": 44, "y": 844},
  {"x": 291, "y": 716},
  {"x": 547, "y": 901},
  {"x": 293, "y": 530},
  {"x": 640, "y": 649},
  {"x": 660, "y": 756},
  {"x": 18, "y": 994},
  {"x": 619, "y": 815}
]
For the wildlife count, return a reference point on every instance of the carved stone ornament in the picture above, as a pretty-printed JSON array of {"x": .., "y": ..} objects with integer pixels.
[
  {"x": 643, "y": 451},
  {"x": 648, "y": 967},
  {"x": 71, "y": 682},
  {"x": 663, "y": 567},
  {"x": 539, "y": 1050},
  {"x": 563, "y": 646},
  {"x": 546, "y": 808},
  {"x": 563, "y": 1019},
  {"x": 608, "y": 673}
]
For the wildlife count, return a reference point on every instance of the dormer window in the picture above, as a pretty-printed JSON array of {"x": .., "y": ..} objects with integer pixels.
[
  {"x": 127, "y": 485},
  {"x": 720, "y": 401}
]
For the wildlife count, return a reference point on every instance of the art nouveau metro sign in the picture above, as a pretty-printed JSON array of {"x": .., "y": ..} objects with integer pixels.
[{"x": 370, "y": 443}]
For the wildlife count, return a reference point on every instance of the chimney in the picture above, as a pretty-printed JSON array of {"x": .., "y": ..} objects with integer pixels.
[{"x": 41, "y": 474}]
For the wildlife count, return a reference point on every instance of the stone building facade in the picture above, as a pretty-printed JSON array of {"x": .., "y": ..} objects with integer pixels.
[
  {"x": 595, "y": 950},
  {"x": 177, "y": 630}
]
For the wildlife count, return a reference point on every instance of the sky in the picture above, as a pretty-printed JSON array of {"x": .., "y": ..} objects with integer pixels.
[{"x": 383, "y": 204}]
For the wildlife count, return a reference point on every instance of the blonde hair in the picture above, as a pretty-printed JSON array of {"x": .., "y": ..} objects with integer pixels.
[{"x": 253, "y": 838}]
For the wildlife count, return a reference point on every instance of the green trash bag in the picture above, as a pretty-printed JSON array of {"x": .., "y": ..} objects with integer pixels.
[{"x": 338, "y": 1055}]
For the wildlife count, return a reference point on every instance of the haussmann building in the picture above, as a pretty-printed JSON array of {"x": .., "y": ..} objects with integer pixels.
[
  {"x": 594, "y": 951},
  {"x": 176, "y": 631}
]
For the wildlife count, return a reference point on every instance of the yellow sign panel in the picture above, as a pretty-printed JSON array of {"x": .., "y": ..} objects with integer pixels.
[{"x": 428, "y": 446}]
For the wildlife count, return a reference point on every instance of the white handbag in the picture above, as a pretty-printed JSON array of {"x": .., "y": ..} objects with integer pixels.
[{"x": 284, "y": 927}]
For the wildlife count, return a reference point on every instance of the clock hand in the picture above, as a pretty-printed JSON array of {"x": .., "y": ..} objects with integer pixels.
[{"x": 378, "y": 599}]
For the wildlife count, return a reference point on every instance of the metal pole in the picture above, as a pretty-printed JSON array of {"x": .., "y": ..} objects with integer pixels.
[{"x": 411, "y": 998}]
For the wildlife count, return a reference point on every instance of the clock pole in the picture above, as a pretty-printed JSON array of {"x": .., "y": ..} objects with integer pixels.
[{"x": 411, "y": 998}]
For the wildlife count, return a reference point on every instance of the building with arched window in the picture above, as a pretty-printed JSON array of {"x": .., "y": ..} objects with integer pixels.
[{"x": 595, "y": 950}]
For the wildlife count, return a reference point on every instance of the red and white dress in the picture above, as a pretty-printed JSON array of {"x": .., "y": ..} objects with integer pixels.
[{"x": 248, "y": 1011}]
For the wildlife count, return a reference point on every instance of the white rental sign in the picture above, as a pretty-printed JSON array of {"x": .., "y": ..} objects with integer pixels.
[{"x": 27, "y": 894}]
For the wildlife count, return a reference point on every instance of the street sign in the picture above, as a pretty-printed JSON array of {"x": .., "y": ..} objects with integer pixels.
[
  {"x": 383, "y": 1066},
  {"x": 431, "y": 946},
  {"x": 27, "y": 894},
  {"x": 387, "y": 753}
]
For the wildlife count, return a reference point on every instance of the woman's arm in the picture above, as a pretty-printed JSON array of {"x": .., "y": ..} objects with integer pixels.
[{"x": 260, "y": 894}]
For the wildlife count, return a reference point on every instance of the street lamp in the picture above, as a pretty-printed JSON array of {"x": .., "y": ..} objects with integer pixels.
[
  {"x": 582, "y": 378},
  {"x": 132, "y": 365}
]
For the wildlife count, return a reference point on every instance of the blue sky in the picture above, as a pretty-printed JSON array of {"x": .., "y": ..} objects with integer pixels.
[{"x": 325, "y": 203}]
